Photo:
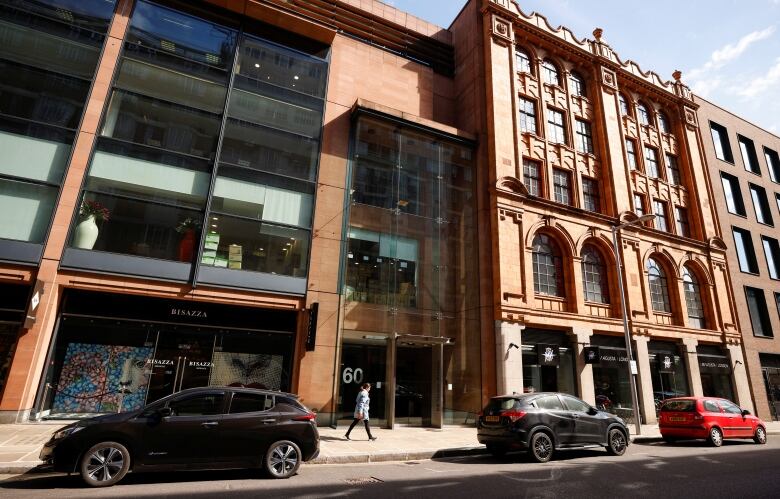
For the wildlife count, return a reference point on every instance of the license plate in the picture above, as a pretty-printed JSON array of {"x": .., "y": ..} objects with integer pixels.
[
  {"x": 674, "y": 419},
  {"x": 492, "y": 419}
]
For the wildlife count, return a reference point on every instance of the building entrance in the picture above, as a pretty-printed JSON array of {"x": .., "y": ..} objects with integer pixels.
[
  {"x": 414, "y": 380},
  {"x": 772, "y": 381}
]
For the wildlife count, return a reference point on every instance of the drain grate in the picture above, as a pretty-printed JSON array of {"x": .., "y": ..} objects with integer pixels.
[{"x": 363, "y": 480}]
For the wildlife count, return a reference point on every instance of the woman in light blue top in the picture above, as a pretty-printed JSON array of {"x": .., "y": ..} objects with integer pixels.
[{"x": 361, "y": 410}]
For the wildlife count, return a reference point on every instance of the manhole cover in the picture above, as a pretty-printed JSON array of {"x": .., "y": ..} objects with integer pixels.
[{"x": 363, "y": 481}]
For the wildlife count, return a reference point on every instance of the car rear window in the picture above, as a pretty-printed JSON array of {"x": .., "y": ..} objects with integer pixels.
[
  {"x": 679, "y": 406},
  {"x": 502, "y": 404}
]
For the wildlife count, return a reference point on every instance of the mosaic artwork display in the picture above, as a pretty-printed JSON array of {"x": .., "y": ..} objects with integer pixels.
[
  {"x": 247, "y": 369},
  {"x": 102, "y": 378}
]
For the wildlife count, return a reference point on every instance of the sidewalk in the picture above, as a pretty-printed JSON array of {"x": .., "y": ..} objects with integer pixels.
[{"x": 21, "y": 443}]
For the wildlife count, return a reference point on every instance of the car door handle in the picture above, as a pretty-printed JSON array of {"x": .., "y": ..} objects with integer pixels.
[
  {"x": 209, "y": 424},
  {"x": 268, "y": 421}
]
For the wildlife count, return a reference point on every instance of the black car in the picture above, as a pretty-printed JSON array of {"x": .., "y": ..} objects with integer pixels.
[
  {"x": 199, "y": 428},
  {"x": 544, "y": 422}
]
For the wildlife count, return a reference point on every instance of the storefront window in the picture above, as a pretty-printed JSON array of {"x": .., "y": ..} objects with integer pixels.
[
  {"x": 548, "y": 362},
  {"x": 668, "y": 371},
  {"x": 410, "y": 265},
  {"x": 114, "y": 364},
  {"x": 611, "y": 378},
  {"x": 48, "y": 54},
  {"x": 715, "y": 370},
  {"x": 12, "y": 310}
]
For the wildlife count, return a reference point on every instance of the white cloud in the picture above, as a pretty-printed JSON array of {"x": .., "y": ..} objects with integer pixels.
[
  {"x": 757, "y": 86},
  {"x": 728, "y": 53},
  {"x": 706, "y": 87}
]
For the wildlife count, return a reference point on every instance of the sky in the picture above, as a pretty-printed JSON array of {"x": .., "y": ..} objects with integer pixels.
[{"x": 728, "y": 50}]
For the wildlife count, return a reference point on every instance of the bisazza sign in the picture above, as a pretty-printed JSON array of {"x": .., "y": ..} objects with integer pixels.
[{"x": 714, "y": 364}]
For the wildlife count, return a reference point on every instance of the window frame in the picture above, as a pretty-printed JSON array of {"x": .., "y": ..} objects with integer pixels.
[
  {"x": 598, "y": 291},
  {"x": 525, "y": 116},
  {"x": 661, "y": 218},
  {"x": 551, "y": 71},
  {"x": 664, "y": 126},
  {"x": 652, "y": 169},
  {"x": 682, "y": 223},
  {"x": 559, "y": 190},
  {"x": 644, "y": 115},
  {"x": 693, "y": 299},
  {"x": 591, "y": 195},
  {"x": 747, "y": 150},
  {"x": 553, "y": 260},
  {"x": 772, "y": 159},
  {"x": 672, "y": 169},
  {"x": 761, "y": 205},
  {"x": 762, "y": 322},
  {"x": 577, "y": 85},
  {"x": 662, "y": 287},
  {"x": 748, "y": 253},
  {"x": 639, "y": 208},
  {"x": 631, "y": 157},
  {"x": 771, "y": 247},
  {"x": 554, "y": 129},
  {"x": 623, "y": 106},
  {"x": 738, "y": 200},
  {"x": 537, "y": 165},
  {"x": 523, "y": 58},
  {"x": 583, "y": 136},
  {"x": 721, "y": 143}
]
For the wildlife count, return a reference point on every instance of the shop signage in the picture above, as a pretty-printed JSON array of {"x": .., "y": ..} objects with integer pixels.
[
  {"x": 664, "y": 362},
  {"x": 32, "y": 308},
  {"x": 311, "y": 331},
  {"x": 591, "y": 355},
  {"x": 548, "y": 355},
  {"x": 612, "y": 356},
  {"x": 714, "y": 365},
  {"x": 189, "y": 313}
]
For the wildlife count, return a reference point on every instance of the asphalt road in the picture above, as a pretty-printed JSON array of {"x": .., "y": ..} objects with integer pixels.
[{"x": 658, "y": 470}]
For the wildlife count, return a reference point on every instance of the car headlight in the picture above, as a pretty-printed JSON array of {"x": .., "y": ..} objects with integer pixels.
[{"x": 68, "y": 430}]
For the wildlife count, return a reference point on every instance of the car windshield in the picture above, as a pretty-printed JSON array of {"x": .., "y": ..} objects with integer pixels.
[
  {"x": 501, "y": 404},
  {"x": 679, "y": 406}
]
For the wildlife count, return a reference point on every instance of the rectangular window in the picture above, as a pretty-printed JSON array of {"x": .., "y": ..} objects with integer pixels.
[
  {"x": 734, "y": 201},
  {"x": 527, "y": 115},
  {"x": 583, "y": 136},
  {"x": 683, "y": 227},
  {"x": 777, "y": 302},
  {"x": 631, "y": 154},
  {"x": 672, "y": 170},
  {"x": 746, "y": 254},
  {"x": 772, "y": 254},
  {"x": 562, "y": 186},
  {"x": 661, "y": 219},
  {"x": 556, "y": 128},
  {"x": 532, "y": 177},
  {"x": 761, "y": 205},
  {"x": 651, "y": 162},
  {"x": 749, "y": 157},
  {"x": 777, "y": 198},
  {"x": 773, "y": 164},
  {"x": 720, "y": 139},
  {"x": 759, "y": 315},
  {"x": 590, "y": 194},
  {"x": 639, "y": 205}
]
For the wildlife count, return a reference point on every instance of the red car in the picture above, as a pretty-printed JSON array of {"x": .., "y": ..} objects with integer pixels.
[{"x": 710, "y": 418}]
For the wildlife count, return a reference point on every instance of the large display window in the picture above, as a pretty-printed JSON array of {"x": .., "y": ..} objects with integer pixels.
[
  {"x": 610, "y": 377},
  {"x": 548, "y": 362},
  {"x": 117, "y": 364},
  {"x": 12, "y": 310},
  {"x": 668, "y": 371},
  {"x": 715, "y": 370}
]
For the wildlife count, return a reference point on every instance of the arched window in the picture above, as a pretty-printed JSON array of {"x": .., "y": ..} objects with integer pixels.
[
  {"x": 577, "y": 85},
  {"x": 624, "y": 109},
  {"x": 693, "y": 300},
  {"x": 548, "y": 268},
  {"x": 643, "y": 114},
  {"x": 523, "y": 61},
  {"x": 663, "y": 123},
  {"x": 550, "y": 73},
  {"x": 594, "y": 276},
  {"x": 659, "y": 288}
]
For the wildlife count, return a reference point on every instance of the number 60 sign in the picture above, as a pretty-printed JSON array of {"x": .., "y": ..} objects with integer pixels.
[{"x": 350, "y": 375}]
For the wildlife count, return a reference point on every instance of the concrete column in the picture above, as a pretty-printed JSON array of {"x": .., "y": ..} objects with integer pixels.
[
  {"x": 509, "y": 360},
  {"x": 740, "y": 377},
  {"x": 581, "y": 337},
  {"x": 692, "y": 359},
  {"x": 645, "y": 379}
]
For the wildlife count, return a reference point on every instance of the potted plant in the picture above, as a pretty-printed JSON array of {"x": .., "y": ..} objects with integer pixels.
[
  {"x": 87, "y": 231},
  {"x": 187, "y": 229}
]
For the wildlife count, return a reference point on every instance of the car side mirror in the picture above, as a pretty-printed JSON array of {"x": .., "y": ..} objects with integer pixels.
[
  {"x": 593, "y": 411},
  {"x": 745, "y": 412},
  {"x": 165, "y": 412}
]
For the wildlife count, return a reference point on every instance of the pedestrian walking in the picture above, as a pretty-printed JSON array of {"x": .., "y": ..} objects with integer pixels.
[{"x": 361, "y": 411}]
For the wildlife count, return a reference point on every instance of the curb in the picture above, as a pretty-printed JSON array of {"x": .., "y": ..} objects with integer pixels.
[
  {"x": 18, "y": 467},
  {"x": 378, "y": 457}
]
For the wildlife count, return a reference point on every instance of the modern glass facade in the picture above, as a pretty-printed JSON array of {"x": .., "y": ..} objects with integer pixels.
[
  {"x": 207, "y": 153},
  {"x": 410, "y": 275},
  {"x": 49, "y": 52}
]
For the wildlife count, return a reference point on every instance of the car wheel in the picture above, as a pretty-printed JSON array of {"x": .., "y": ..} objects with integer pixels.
[
  {"x": 282, "y": 459},
  {"x": 616, "y": 442},
  {"x": 104, "y": 464},
  {"x": 541, "y": 447},
  {"x": 497, "y": 450},
  {"x": 760, "y": 436},
  {"x": 716, "y": 437}
]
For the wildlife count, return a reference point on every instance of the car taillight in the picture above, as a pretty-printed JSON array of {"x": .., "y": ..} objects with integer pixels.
[
  {"x": 307, "y": 417},
  {"x": 698, "y": 417},
  {"x": 513, "y": 415}
]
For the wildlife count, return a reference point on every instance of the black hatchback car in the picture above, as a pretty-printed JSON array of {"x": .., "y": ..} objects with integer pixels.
[
  {"x": 199, "y": 428},
  {"x": 545, "y": 422}
]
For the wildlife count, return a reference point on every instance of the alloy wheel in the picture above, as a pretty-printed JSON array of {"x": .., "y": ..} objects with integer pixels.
[
  {"x": 617, "y": 443},
  {"x": 541, "y": 447},
  {"x": 104, "y": 464},
  {"x": 716, "y": 437},
  {"x": 760, "y": 437},
  {"x": 283, "y": 459}
]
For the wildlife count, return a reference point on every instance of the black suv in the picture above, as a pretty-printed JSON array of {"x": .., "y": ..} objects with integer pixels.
[
  {"x": 199, "y": 428},
  {"x": 544, "y": 422}
]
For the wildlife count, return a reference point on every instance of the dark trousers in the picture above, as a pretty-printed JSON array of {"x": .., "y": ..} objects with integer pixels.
[{"x": 365, "y": 422}]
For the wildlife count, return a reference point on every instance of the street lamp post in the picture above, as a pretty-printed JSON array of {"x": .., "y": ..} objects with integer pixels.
[{"x": 626, "y": 331}]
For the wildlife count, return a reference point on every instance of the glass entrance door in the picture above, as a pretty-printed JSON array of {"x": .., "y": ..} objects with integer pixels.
[
  {"x": 772, "y": 381},
  {"x": 182, "y": 360},
  {"x": 415, "y": 376}
]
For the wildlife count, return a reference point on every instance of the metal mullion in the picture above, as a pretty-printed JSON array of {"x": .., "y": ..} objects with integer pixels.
[
  {"x": 139, "y": 199},
  {"x": 11, "y": 117},
  {"x": 42, "y": 183},
  {"x": 249, "y": 219},
  {"x": 261, "y": 125},
  {"x": 154, "y": 148},
  {"x": 265, "y": 172},
  {"x": 175, "y": 55},
  {"x": 217, "y": 153}
]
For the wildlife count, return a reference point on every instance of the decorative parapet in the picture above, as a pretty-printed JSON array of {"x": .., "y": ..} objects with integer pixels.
[{"x": 509, "y": 9}]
